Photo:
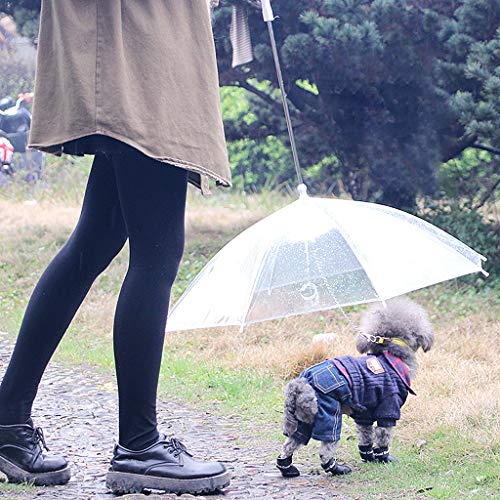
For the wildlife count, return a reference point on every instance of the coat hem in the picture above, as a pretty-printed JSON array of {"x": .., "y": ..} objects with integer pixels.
[{"x": 57, "y": 149}]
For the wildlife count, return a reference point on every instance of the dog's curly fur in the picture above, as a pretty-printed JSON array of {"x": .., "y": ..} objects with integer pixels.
[
  {"x": 300, "y": 404},
  {"x": 397, "y": 318},
  {"x": 401, "y": 318}
]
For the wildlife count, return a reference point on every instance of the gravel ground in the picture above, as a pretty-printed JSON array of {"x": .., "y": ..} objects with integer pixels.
[{"x": 77, "y": 408}]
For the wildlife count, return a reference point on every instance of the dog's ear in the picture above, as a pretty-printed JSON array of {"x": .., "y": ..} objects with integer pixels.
[
  {"x": 424, "y": 333},
  {"x": 426, "y": 337}
]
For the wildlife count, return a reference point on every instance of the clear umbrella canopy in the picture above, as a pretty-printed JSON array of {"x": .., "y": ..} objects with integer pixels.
[{"x": 317, "y": 254}]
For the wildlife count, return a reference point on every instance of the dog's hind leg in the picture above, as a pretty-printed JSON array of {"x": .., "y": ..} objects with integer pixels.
[
  {"x": 365, "y": 442},
  {"x": 383, "y": 436},
  {"x": 327, "y": 451},
  {"x": 328, "y": 462},
  {"x": 290, "y": 446},
  {"x": 383, "y": 439},
  {"x": 365, "y": 434},
  {"x": 284, "y": 461}
]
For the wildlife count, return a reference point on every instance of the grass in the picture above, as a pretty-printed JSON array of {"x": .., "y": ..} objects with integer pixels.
[
  {"x": 242, "y": 373},
  {"x": 21, "y": 490}
]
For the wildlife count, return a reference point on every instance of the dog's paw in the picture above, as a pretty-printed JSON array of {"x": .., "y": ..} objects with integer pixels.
[
  {"x": 332, "y": 467},
  {"x": 381, "y": 455},
  {"x": 286, "y": 467}
]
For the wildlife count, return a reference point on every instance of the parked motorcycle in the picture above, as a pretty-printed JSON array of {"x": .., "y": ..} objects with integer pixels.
[
  {"x": 6, "y": 103},
  {"x": 15, "y": 122}
]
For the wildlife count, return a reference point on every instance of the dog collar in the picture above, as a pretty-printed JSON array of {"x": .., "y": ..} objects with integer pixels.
[{"x": 376, "y": 339}]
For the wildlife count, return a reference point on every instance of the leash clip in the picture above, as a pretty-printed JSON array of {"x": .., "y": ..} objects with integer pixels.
[{"x": 376, "y": 339}]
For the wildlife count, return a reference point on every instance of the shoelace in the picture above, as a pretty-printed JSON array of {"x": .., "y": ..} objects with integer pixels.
[
  {"x": 177, "y": 447},
  {"x": 38, "y": 437}
]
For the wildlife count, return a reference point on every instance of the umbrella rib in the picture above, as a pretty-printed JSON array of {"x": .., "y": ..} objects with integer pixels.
[
  {"x": 353, "y": 247},
  {"x": 435, "y": 237},
  {"x": 254, "y": 286}
]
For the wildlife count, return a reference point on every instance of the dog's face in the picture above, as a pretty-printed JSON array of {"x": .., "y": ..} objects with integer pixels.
[{"x": 400, "y": 318}]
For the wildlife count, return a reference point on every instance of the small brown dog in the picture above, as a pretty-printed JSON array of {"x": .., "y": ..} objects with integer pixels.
[{"x": 369, "y": 388}]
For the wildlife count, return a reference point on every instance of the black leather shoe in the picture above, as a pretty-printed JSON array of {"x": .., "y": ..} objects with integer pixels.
[
  {"x": 165, "y": 465},
  {"x": 286, "y": 467},
  {"x": 22, "y": 458},
  {"x": 332, "y": 467}
]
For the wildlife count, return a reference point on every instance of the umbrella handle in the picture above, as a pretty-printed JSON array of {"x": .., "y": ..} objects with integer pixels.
[{"x": 267, "y": 11}]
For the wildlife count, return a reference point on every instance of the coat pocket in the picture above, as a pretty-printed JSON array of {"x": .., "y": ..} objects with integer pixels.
[{"x": 327, "y": 380}]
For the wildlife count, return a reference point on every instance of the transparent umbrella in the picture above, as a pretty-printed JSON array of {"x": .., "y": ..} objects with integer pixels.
[{"x": 318, "y": 254}]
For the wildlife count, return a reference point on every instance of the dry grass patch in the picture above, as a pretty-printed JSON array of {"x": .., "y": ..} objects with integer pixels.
[{"x": 16, "y": 216}]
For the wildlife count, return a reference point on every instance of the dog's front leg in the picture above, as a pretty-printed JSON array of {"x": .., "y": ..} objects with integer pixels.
[
  {"x": 383, "y": 439},
  {"x": 328, "y": 462},
  {"x": 365, "y": 442},
  {"x": 284, "y": 461}
]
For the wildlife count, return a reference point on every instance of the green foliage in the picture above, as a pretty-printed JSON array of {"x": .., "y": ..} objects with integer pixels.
[
  {"x": 469, "y": 187},
  {"x": 470, "y": 68},
  {"x": 471, "y": 227},
  {"x": 381, "y": 91},
  {"x": 255, "y": 162},
  {"x": 388, "y": 88},
  {"x": 473, "y": 178}
]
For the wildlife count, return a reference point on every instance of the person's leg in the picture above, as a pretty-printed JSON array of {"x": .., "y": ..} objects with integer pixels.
[
  {"x": 152, "y": 197},
  {"x": 97, "y": 238}
]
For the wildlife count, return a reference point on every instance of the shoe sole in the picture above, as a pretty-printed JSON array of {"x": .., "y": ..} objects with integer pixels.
[
  {"x": 126, "y": 482},
  {"x": 15, "y": 474}
]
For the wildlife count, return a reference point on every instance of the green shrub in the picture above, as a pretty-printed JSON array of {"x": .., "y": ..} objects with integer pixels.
[
  {"x": 482, "y": 233},
  {"x": 471, "y": 177}
]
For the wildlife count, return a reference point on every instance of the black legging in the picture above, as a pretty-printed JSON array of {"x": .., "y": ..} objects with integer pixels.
[{"x": 128, "y": 195}]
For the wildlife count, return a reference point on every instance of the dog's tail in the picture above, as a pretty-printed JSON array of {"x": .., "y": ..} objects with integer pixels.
[{"x": 300, "y": 404}]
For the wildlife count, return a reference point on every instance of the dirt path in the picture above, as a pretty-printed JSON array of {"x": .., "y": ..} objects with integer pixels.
[{"x": 77, "y": 409}]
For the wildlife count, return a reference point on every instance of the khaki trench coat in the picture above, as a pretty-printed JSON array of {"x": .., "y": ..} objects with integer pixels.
[{"x": 140, "y": 71}]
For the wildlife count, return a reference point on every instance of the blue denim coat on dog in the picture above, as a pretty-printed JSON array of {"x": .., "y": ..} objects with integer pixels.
[
  {"x": 332, "y": 390},
  {"x": 376, "y": 388},
  {"x": 379, "y": 388}
]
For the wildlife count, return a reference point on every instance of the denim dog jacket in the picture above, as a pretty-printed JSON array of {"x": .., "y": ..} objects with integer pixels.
[{"x": 332, "y": 390}]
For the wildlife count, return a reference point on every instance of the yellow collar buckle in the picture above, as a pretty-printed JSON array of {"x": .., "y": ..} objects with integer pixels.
[{"x": 377, "y": 339}]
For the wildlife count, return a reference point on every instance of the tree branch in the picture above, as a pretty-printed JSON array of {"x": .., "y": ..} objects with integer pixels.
[
  {"x": 463, "y": 143},
  {"x": 302, "y": 98},
  {"x": 259, "y": 93},
  {"x": 256, "y": 131},
  {"x": 486, "y": 195},
  {"x": 483, "y": 147}
]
